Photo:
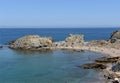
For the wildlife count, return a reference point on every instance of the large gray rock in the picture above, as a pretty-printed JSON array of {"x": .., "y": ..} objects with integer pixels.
[{"x": 32, "y": 42}]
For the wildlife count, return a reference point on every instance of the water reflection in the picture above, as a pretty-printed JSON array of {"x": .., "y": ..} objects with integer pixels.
[{"x": 29, "y": 52}]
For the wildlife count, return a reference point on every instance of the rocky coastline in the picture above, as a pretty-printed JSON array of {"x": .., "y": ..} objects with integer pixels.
[{"x": 76, "y": 42}]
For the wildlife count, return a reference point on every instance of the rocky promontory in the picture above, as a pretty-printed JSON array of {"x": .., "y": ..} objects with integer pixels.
[
  {"x": 76, "y": 42},
  {"x": 32, "y": 42}
]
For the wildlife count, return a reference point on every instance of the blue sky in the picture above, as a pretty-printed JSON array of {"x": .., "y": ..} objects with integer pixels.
[{"x": 60, "y": 13}]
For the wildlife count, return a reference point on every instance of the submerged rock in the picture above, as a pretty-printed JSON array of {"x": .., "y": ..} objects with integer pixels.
[
  {"x": 93, "y": 66},
  {"x": 32, "y": 42},
  {"x": 1, "y": 46},
  {"x": 107, "y": 59}
]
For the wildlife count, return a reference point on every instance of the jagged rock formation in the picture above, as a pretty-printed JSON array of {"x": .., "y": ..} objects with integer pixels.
[
  {"x": 32, "y": 42},
  {"x": 71, "y": 41},
  {"x": 115, "y": 40},
  {"x": 115, "y": 37}
]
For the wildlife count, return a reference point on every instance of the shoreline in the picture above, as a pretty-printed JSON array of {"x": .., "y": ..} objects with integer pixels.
[
  {"x": 113, "y": 52},
  {"x": 75, "y": 42},
  {"x": 98, "y": 49}
]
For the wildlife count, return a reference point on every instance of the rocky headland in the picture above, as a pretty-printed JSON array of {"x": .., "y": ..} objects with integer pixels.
[{"x": 76, "y": 42}]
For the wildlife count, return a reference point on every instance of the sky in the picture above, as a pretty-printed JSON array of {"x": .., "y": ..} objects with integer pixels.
[{"x": 59, "y": 13}]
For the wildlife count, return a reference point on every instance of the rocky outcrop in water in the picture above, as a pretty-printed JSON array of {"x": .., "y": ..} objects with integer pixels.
[
  {"x": 32, "y": 42},
  {"x": 108, "y": 59},
  {"x": 100, "y": 63},
  {"x": 93, "y": 66}
]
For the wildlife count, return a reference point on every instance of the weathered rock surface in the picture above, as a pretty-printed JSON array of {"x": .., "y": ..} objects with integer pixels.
[
  {"x": 93, "y": 66},
  {"x": 108, "y": 59},
  {"x": 32, "y": 42},
  {"x": 115, "y": 36},
  {"x": 72, "y": 40}
]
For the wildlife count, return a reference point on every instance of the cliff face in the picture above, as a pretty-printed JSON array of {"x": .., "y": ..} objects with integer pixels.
[{"x": 32, "y": 42}]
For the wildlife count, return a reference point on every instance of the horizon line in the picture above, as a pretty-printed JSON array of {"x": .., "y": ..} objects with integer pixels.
[{"x": 59, "y": 27}]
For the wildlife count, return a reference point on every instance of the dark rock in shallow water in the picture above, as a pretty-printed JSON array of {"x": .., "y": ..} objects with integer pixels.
[
  {"x": 107, "y": 59},
  {"x": 78, "y": 50},
  {"x": 93, "y": 66},
  {"x": 11, "y": 42},
  {"x": 1, "y": 46}
]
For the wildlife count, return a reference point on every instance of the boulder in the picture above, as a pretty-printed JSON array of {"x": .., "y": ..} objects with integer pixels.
[
  {"x": 93, "y": 66},
  {"x": 32, "y": 42}
]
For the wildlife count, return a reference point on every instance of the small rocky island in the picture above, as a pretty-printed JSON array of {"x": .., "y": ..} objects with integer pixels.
[{"x": 32, "y": 42}]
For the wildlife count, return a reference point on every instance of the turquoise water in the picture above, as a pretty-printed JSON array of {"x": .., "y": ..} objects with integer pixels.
[
  {"x": 49, "y": 67},
  {"x": 60, "y": 66}
]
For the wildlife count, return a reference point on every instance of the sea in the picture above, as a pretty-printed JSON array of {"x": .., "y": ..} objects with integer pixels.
[{"x": 58, "y": 66}]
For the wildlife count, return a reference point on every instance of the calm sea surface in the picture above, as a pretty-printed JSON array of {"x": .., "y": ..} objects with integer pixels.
[{"x": 60, "y": 66}]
